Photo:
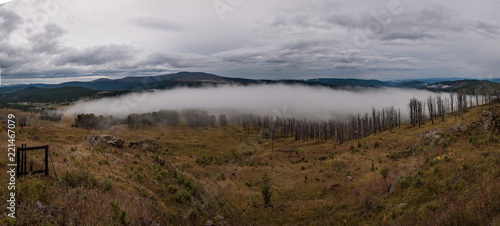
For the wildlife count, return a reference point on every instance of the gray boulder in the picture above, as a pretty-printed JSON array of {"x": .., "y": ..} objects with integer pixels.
[
  {"x": 107, "y": 139},
  {"x": 431, "y": 136}
]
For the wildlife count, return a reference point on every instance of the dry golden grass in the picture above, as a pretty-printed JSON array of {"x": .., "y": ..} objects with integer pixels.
[{"x": 212, "y": 173}]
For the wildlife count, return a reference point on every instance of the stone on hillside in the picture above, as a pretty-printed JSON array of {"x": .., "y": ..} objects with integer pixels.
[
  {"x": 108, "y": 139},
  {"x": 159, "y": 160},
  {"x": 460, "y": 128},
  {"x": 487, "y": 124},
  {"x": 431, "y": 136}
]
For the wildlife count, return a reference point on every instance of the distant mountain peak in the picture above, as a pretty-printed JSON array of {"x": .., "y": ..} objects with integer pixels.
[{"x": 101, "y": 80}]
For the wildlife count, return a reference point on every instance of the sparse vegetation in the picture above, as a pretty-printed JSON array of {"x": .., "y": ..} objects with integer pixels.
[
  {"x": 266, "y": 190},
  {"x": 228, "y": 174}
]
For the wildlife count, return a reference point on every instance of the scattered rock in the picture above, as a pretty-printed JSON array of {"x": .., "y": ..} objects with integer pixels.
[
  {"x": 487, "y": 124},
  {"x": 460, "y": 128},
  {"x": 431, "y": 136},
  {"x": 209, "y": 223},
  {"x": 158, "y": 160},
  {"x": 401, "y": 205},
  {"x": 108, "y": 139},
  {"x": 39, "y": 204},
  {"x": 348, "y": 178},
  {"x": 145, "y": 144},
  {"x": 273, "y": 173},
  {"x": 220, "y": 220}
]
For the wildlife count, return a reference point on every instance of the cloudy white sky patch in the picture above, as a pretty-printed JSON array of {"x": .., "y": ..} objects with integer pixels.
[{"x": 383, "y": 39}]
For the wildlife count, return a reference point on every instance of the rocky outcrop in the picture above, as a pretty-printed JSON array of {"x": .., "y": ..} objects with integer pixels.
[
  {"x": 107, "y": 139},
  {"x": 460, "y": 128},
  {"x": 486, "y": 122},
  {"x": 431, "y": 136}
]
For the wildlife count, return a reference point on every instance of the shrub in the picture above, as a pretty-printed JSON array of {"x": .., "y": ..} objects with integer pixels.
[
  {"x": 194, "y": 211},
  {"x": 79, "y": 179},
  {"x": 103, "y": 162},
  {"x": 107, "y": 184},
  {"x": 32, "y": 189},
  {"x": 118, "y": 214},
  {"x": 303, "y": 159},
  {"x": 171, "y": 189},
  {"x": 182, "y": 197},
  {"x": 473, "y": 139},
  {"x": 248, "y": 153},
  {"x": 266, "y": 189},
  {"x": 205, "y": 161},
  {"x": 432, "y": 161},
  {"x": 338, "y": 165},
  {"x": 221, "y": 176},
  {"x": 417, "y": 182},
  {"x": 403, "y": 181},
  {"x": 384, "y": 172}
]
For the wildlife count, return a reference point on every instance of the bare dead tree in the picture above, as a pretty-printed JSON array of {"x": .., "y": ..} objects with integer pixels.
[{"x": 430, "y": 106}]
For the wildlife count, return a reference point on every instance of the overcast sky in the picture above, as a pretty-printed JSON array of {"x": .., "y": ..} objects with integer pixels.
[{"x": 51, "y": 41}]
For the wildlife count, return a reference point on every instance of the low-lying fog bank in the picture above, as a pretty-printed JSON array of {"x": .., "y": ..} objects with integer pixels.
[{"x": 269, "y": 100}]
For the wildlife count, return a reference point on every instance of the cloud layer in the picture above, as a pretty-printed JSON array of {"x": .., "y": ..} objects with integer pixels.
[
  {"x": 255, "y": 39},
  {"x": 272, "y": 100}
]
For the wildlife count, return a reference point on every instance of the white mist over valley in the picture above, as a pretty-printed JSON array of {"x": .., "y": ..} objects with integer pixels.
[{"x": 291, "y": 101}]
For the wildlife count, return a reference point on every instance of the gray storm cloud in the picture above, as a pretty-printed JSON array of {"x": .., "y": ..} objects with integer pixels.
[{"x": 271, "y": 100}]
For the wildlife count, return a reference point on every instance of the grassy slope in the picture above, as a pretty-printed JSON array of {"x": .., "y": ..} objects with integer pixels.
[{"x": 451, "y": 182}]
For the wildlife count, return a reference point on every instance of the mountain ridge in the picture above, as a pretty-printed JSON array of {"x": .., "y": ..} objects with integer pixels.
[{"x": 197, "y": 79}]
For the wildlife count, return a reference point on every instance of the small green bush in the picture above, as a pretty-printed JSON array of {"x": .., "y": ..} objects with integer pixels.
[
  {"x": 418, "y": 182},
  {"x": 103, "y": 162},
  {"x": 182, "y": 197},
  {"x": 107, "y": 184},
  {"x": 384, "y": 172},
  {"x": 79, "y": 179},
  {"x": 172, "y": 189},
  {"x": 266, "y": 189},
  {"x": 118, "y": 214},
  {"x": 32, "y": 189},
  {"x": 403, "y": 181}
]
